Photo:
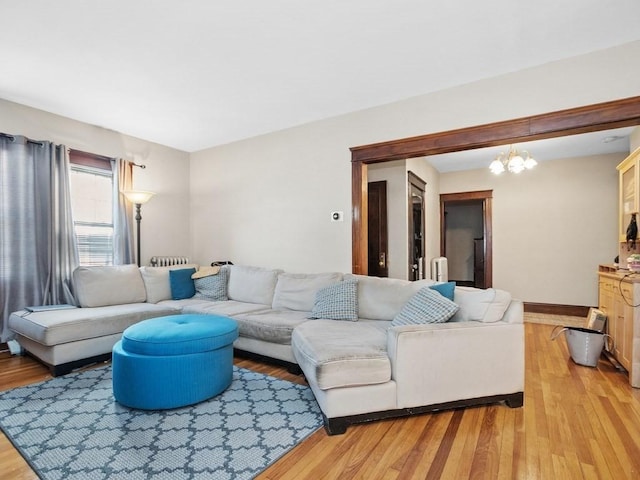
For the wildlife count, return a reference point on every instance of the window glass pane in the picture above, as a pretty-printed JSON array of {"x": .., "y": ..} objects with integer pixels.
[{"x": 92, "y": 205}]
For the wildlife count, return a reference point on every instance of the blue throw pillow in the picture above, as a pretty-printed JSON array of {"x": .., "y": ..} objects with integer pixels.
[
  {"x": 444, "y": 289},
  {"x": 182, "y": 285},
  {"x": 337, "y": 302},
  {"x": 426, "y": 306}
]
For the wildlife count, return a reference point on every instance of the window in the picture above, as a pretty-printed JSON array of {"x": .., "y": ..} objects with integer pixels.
[{"x": 91, "y": 182}]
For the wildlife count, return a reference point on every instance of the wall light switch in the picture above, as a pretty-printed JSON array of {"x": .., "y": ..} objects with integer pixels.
[{"x": 337, "y": 216}]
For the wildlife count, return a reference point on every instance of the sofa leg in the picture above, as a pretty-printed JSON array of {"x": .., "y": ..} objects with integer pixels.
[
  {"x": 59, "y": 370},
  {"x": 516, "y": 400},
  {"x": 335, "y": 426}
]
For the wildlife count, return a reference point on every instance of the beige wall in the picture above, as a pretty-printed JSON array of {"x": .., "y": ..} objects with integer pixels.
[
  {"x": 267, "y": 200},
  {"x": 552, "y": 226},
  {"x": 634, "y": 139},
  {"x": 165, "y": 219}
]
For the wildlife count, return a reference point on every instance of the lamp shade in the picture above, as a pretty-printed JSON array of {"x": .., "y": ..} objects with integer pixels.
[{"x": 138, "y": 196}]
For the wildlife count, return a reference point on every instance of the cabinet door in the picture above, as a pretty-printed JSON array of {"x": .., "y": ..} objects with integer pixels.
[
  {"x": 629, "y": 180},
  {"x": 606, "y": 303},
  {"x": 624, "y": 319}
]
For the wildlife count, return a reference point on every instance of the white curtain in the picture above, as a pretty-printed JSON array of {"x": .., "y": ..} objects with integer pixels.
[
  {"x": 37, "y": 243},
  {"x": 122, "y": 214}
]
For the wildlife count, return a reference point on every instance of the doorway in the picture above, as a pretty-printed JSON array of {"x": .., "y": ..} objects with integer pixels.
[
  {"x": 466, "y": 237},
  {"x": 416, "y": 222}
]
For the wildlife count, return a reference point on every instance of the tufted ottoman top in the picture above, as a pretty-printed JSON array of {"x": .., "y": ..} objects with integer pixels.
[{"x": 179, "y": 335}]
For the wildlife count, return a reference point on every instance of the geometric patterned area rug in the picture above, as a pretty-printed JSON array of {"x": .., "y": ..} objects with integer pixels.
[{"x": 71, "y": 427}]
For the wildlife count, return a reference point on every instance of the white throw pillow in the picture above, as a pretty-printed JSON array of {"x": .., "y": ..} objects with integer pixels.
[
  {"x": 112, "y": 285},
  {"x": 479, "y": 305}
]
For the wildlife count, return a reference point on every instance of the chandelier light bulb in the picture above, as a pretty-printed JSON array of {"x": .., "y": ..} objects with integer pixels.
[
  {"x": 497, "y": 167},
  {"x": 515, "y": 164},
  {"x": 529, "y": 161}
]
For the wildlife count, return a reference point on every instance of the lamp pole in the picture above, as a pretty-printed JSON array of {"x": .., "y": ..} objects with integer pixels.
[{"x": 138, "y": 218}]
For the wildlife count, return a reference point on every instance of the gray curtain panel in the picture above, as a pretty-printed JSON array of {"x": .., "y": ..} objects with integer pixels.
[
  {"x": 122, "y": 212},
  {"x": 37, "y": 243}
]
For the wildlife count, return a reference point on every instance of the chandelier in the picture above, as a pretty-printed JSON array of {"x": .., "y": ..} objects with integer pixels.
[{"x": 514, "y": 162}]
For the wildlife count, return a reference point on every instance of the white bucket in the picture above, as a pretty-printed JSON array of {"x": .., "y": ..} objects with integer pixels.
[{"x": 585, "y": 346}]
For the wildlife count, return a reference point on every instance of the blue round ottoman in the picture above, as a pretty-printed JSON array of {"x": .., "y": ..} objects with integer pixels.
[{"x": 170, "y": 362}]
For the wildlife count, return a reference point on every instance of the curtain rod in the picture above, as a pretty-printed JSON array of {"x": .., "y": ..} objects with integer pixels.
[
  {"x": 35, "y": 142},
  {"x": 13, "y": 137}
]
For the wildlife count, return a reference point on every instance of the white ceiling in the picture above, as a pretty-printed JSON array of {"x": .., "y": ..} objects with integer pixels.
[{"x": 199, "y": 73}]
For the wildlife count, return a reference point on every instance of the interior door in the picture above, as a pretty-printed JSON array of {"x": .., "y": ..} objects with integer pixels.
[
  {"x": 416, "y": 223},
  {"x": 377, "y": 229}
]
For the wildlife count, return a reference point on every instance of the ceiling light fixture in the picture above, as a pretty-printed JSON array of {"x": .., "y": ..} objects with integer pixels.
[{"x": 513, "y": 162}]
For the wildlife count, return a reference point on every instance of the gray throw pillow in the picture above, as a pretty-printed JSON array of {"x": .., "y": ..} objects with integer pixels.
[
  {"x": 213, "y": 287},
  {"x": 337, "y": 302},
  {"x": 426, "y": 306}
]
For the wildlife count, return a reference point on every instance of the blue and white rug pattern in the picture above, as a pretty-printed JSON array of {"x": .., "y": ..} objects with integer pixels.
[{"x": 71, "y": 428}]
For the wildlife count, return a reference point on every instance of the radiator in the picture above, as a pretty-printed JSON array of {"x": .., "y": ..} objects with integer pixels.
[
  {"x": 439, "y": 269},
  {"x": 166, "y": 261}
]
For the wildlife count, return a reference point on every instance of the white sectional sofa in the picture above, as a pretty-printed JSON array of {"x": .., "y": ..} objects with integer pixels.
[{"x": 361, "y": 362}]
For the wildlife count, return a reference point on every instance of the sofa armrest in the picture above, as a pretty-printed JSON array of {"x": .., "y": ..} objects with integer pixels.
[{"x": 445, "y": 362}]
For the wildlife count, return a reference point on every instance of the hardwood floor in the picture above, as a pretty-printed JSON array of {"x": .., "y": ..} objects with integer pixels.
[{"x": 577, "y": 422}]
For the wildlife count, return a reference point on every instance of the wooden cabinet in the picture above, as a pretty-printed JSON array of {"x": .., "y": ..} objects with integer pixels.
[
  {"x": 618, "y": 298},
  {"x": 629, "y": 191}
]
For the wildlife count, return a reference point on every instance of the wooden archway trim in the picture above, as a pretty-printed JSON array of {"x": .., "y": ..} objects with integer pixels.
[{"x": 590, "y": 118}]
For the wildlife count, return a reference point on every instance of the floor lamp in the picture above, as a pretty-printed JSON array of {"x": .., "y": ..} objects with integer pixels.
[{"x": 138, "y": 197}]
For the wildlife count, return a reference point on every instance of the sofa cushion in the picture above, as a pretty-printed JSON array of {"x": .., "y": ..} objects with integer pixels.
[
  {"x": 156, "y": 281},
  {"x": 274, "y": 326},
  {"x": 182, "y": 285},
  {"x": 426, "y": 306},
  {"x": 297, "y": 291},
  {"x": 213, "y": 287},
  {"x": 479, "y": 305},
  {"x": 336, "y": 354},
  {"x": 383, "y": 298},
  {"x": 252, "y": 284},
  {"x": 112, "y": 285},
  {"x": 337, "y": 302},
  {"x": 54, "y": 327},
  {"x": 230, "y": 308}
]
